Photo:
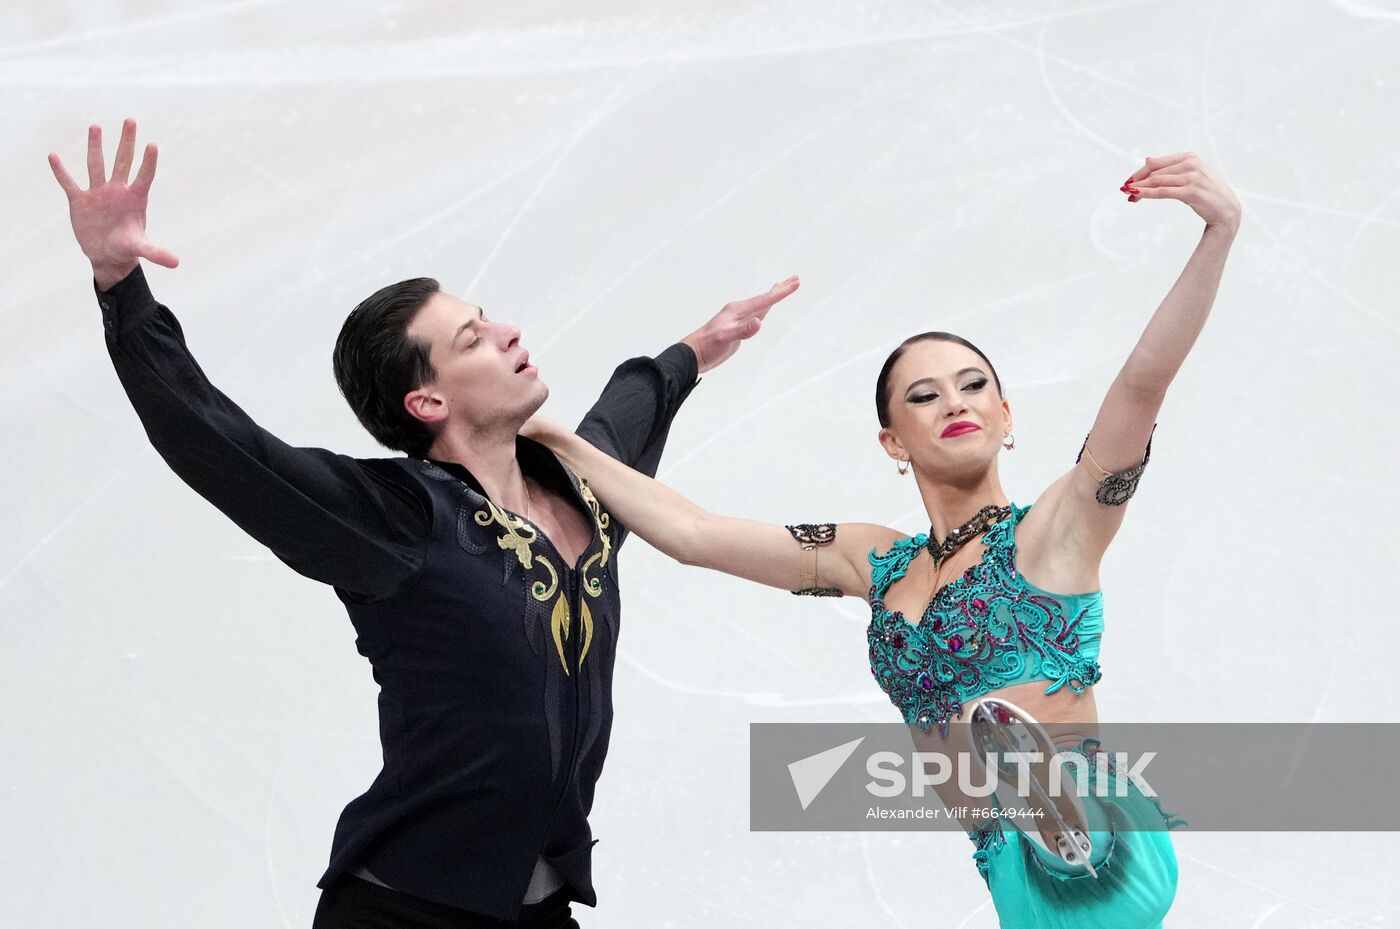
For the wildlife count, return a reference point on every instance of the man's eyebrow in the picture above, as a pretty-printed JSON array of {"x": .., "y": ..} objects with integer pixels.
[
  {"x": 929, "y": 380},
  {"x": 466, "y": 325}
]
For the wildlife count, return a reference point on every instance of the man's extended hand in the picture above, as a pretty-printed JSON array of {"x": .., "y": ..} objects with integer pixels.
[
  {"x": 720, "y": 337},
  {"x": 109, "y": 218}
]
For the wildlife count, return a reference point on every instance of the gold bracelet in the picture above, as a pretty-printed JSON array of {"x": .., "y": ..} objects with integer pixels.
[
  {"x": 1117, "y": 489},
  {"x": 810, "y": 536},
  {"x": 1105, "y": 475}
]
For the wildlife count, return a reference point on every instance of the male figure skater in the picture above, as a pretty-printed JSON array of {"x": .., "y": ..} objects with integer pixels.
[{"x": 479, "y": 572}]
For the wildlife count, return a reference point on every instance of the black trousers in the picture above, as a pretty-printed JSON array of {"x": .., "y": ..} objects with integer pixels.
[{"x": 353, "y": 903}]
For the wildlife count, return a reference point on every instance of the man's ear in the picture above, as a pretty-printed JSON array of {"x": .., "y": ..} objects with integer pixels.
[{"x": 425, "y": 406}]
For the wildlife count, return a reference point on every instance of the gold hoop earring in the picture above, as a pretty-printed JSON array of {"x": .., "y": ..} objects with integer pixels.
[
  {"x": 1013, "y": 442},
  {"x": 902, "y": 467}
]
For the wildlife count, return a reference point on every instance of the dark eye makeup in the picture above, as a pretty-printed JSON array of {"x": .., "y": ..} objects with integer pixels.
[{"x": 972, "y": 385}]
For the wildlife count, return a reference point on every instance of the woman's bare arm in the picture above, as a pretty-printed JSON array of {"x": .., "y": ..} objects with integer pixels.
[
  {"x": 1085, "y": 509},
  {"x": 757, "y": 551}
]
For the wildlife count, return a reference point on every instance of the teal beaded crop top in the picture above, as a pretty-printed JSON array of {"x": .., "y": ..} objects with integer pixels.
[{"x": 988, "y": 629}]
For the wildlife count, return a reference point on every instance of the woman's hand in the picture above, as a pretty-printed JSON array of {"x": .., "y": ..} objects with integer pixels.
[
  {"x": 762, "y": 552},
  {"x": 1183, "y": 177},
  {"x": 109, "y": 218},
  {"x": 543, "y": 430}
]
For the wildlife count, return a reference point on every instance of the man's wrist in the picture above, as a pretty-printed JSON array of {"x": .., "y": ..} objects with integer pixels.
[
  {"x": 693, "y": 342},
  {"x": 681, "y": 362},
  {"x": 108, "y": 276}
]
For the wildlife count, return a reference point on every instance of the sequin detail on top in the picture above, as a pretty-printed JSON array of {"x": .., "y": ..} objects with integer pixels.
[{"x": 988, "y": 629}]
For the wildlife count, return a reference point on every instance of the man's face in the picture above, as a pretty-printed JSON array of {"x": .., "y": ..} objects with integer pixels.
[{"x": 483, "y": 380}]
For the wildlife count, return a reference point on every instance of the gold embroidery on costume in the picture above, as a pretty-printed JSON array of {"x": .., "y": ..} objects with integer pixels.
[
  {"x": 514, "y": 538},
  {"x": 519, "y": 536},
  {"x": 559, "y": 626},
  {"x": 539, "y": 589},
  {"x": 559, "y": 619},
  {"x": 601, "y": 518},
  {"x": 592, "y": 585}
]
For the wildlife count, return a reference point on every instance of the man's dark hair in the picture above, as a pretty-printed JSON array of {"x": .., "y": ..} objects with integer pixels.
[
  {"x": 377, "y": 363},
  {"x": 882, "y": 383}
]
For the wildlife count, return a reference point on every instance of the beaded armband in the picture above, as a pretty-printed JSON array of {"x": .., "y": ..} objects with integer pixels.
[
  {"x": 810, "y": 535},
  {"x": 1116, "y": 489}
]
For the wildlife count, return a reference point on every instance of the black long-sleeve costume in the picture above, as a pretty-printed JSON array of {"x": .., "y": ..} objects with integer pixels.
[{"x": 494, "y": 657}]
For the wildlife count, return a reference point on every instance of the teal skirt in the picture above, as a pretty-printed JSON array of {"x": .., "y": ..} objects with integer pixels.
[{"x": 1132, "y": 853}]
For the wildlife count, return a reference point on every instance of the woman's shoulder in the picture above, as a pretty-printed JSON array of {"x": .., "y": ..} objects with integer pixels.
[{"x": 871, "y": 540}]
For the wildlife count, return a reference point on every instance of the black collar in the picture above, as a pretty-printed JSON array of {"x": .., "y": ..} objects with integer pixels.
[{"x": 537, "y": 461}]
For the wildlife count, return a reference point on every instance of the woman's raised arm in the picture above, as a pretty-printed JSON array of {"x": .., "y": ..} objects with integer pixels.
[{"x": 1087, "y": 503}]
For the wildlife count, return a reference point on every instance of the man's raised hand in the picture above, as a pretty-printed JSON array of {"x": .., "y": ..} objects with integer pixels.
[
  {"x": 109, "y": 218},
  {"x": 719, "y": 338}
]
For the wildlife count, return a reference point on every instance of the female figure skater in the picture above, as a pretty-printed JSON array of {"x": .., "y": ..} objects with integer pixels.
[{"x": 976, "y": 631}]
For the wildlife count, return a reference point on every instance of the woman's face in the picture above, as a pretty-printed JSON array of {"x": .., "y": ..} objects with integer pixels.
[{"x": 939, "y": 391}]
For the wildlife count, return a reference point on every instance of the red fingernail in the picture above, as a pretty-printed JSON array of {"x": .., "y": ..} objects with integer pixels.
[
  {"x": 1132, "y": 199},
  {"x": 1134, "y": 190}
]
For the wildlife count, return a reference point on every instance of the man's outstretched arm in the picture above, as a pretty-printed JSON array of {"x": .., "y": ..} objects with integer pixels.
[
  {"x": 327, "y": 515},
  {"x": 632, "y": 417}
]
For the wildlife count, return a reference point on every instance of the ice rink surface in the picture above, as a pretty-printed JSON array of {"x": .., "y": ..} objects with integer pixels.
[{"x": 184, "y": 717}]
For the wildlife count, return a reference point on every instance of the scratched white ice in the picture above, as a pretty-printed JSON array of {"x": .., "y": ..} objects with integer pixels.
[{"x": 184, "y": 717}]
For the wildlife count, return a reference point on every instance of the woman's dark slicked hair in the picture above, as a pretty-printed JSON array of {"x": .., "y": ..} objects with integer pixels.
[
  {"x": 377, "y": 363},
  {"x": 882, "y": 383}
]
